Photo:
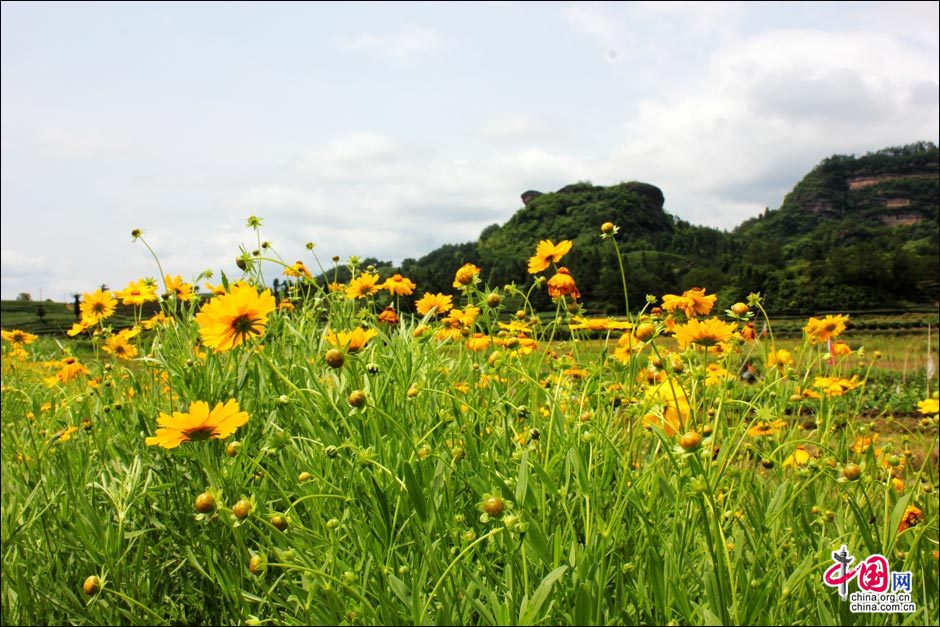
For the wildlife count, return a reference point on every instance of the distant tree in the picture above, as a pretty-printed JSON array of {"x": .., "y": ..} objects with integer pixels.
[
  {"x": 105, "y": 288},
  {"x": 41, "y": 313},
  {"x": 24, "y": 297}
]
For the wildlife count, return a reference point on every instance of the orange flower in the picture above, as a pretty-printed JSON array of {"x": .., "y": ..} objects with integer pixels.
[
  {"x": 912, "y": 517},
  {"x": 693, "y": 302},
  {"x": 763, "y": 429},
  {"x": 17, "y": 337},
  {"x": 298, "y": 270},
  {"x": 398, "y": 285},
  {"x": 478, "y": 342},
  {"x": 389, "y": 316},
  {"x": 546, "y": 253},
  {"x": 562, "y": 284}
]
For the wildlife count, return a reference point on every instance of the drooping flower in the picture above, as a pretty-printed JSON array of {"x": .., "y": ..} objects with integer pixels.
[
  {"x": 440, "y": 302},
  {"x": 156, "y": 320},
  {"x": 669, "y": 409},
  {"x": 397, "y": 285},
  {"x": 389, "y": 316},
  {"x": 692, "y": 303},
  {"x": 138, "y": 292},
  {"x": 351, "y": 341},
  {"x": 547, "y": 253},
  {"x": 627, "y": 346},
  {"x": 706, "y": 333},
  {"x": 175, "y": 286},
  {"x": 479, "y": 342},
  {"x": 198, "y": 424},
  {"x": 836, "y": 386},
  {"x": 227, "y": 321},
  {"x": 69, "y": 368},
  {"x": 764, "y": 429},
  {"x": 562, "y": 284},
  {"x": 599, "y": 324},
  {"x": 96, "y": 306},
  {"x": 77, "y": 327},
  {"x": 779, "y": 359},
  {"x": 799, "y": 457},
  {"x": 17, "y": 337},
  {"x": 912, "y": 517},
  {"x": 823, "y": 330},
  {"x": 366, "y": 284},
  {"x": 298, "y": 270},
  {"x": 216, "y": 290}
]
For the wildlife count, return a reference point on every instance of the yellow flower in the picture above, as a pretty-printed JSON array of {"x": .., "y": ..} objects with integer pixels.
[
  {"x": 822, "y": 330},
  {"x": 439, "y": 302},
  {"x": 478, "y": 342},
  {"x": 96, "y": 306},
  {"x": 763, "y": 429},
  {"x": 69, "y": 368},
  {"x": 707, "y": 333},
  {"x": 64, "y": 435},
  {"x": 351, "y": 341},
  {"x": 398, "y": 285},
  {"x": 17, "y": 337},
  {"x": 716, "y": 375},
  {"x": 929, "y": 406},
  {"x": 466, "y": 275},
  {"x": 216, "y": 290},
  {"x": 77, "y": 327},
  {"x": 779, "y": 359},
  {"x": 863, "y": 443},
  {"x": 599, "y": 324},
  {"x": 835, "y": 386},
  {"x": 336, "y": 286},
  {"x": 138, "y": 293},
  {"x": 198, "y": 424},
  {"x": 119, "y": 345},
  {"x": 693, "y": 302},
  {"x": 562, "y": 284},
  {"x": 227, "y": 321},
  {"x": 285, "y": 305},
  {"x": 365, "y": 284},
  {"x": 799, "y": 457},
  {"x": 158, "y": 319},
  {"x": 670, "y": 409},
  {"x": 627, "y": 346},
  {"x": 177, "y": 287},
  {"x": 546, "y": 253},
  {"x": 298, "y": 270}
]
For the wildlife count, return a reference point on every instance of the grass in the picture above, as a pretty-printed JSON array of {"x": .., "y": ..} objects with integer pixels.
[{"x": 531, "y": 482}]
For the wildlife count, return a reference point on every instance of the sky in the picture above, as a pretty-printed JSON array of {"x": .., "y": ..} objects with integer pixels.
[{"x": 387, "y": 130}]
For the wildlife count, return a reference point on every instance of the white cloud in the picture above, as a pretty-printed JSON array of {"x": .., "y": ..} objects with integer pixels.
[{"x": 400, "y": 46}]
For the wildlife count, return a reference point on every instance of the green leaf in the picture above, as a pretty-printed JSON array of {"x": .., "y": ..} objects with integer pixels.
[
  {"x": 415, "y": 493},
  {"x": 529, "y": 612}
]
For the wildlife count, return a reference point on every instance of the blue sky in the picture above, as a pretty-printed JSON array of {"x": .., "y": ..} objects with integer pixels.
[{"x": 387, "y": 130}]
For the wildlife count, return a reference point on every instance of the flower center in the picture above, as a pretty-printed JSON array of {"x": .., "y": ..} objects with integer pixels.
[{"x": 202, "y": 433}]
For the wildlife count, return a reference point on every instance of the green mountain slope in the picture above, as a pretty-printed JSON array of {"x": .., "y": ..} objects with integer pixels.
[{"x": 855, "y": 233}]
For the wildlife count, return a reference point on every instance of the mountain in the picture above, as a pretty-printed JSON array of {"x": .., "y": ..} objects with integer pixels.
[{"x": 855, "y": 233}]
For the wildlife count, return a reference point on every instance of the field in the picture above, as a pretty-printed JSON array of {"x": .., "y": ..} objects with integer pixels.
[{"x": 329, "y": 461}]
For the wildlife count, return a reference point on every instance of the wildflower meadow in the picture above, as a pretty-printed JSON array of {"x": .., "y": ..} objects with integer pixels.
[{"x": 370, "y": 453}]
